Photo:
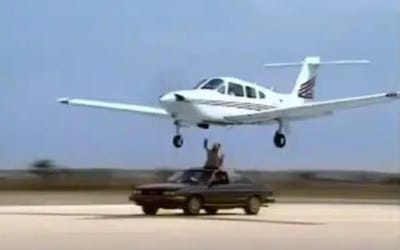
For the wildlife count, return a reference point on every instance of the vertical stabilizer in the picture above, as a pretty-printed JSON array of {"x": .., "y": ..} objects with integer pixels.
[{"x": 306, "y": 80}]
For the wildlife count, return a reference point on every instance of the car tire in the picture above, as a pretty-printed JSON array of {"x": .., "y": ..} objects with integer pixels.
[
  {"x": 211, "y": 210},
  {"x": 193, "y": 205},
  {"x": 253, "y": 205},
  {"x": 149, "y": 210}
]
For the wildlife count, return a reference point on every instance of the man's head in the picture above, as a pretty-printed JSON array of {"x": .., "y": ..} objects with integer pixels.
[{"x": 216, "y": 146}]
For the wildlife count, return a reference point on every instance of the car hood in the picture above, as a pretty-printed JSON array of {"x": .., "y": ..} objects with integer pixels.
[{"x": 164, "y": 186}]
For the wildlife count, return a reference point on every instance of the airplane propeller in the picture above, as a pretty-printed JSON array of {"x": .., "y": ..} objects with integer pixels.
[{"x": 170, "y": 80}]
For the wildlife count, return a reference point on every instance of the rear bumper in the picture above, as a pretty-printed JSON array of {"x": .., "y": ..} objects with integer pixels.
[{"x": 161, "y": 201}]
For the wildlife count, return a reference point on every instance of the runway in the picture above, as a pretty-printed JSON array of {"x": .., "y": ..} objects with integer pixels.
[{"x": 280, "y": 226}]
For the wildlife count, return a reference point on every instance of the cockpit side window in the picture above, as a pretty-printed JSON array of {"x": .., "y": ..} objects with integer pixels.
[
  {"x": 222, "y": 89},
  {"x": 235, "y": 89},
  {"x": 261, "y": 95},
  {"x": 251, "y": 92},
  {"x": 213, "y": 84}
]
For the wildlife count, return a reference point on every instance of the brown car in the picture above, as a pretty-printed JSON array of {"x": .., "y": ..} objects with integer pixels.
[{"x": 198, "y": 188}]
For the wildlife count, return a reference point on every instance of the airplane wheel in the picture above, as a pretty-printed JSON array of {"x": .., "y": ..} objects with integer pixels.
[
  {"x": 279, "y": 140},
  {"x": 178, "y": 141}
]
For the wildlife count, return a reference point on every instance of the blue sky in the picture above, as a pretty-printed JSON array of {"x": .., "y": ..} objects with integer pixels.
[{"x": 133, "y": 51}]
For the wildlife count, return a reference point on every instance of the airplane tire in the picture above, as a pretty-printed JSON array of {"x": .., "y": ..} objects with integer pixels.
[
  {"x": 279, "y": 140},
  {"x": 178, "y": 141}
]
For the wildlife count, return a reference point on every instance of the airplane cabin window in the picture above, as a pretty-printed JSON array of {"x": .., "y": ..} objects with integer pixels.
[
  {"x": 213, "y": 84},
  {"x": 261, "y": 95},
  {"x": 235, "y": 89},
  {"x": 251, "y": 92},
  {"x": 221, "y": 89}
]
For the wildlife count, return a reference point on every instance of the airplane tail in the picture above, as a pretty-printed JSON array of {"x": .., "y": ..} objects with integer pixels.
[{"x": 306, "y": 79}]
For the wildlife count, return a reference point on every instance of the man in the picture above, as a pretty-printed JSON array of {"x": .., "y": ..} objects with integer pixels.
[{"x": 215, "y": 157}]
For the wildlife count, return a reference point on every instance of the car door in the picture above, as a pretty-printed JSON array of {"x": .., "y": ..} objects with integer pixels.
[
  {"x": 240, "y": 190},
  {"x": 219, "y": 194},
  {"x": 222, "y": 191}
]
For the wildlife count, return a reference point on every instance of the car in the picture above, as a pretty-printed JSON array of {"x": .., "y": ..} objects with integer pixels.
[{"x": 198, "y": 188}]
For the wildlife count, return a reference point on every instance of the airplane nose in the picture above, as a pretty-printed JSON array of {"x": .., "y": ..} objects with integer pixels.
[
  {"x": 169, "y": 97},
  {"x": 172, "y": 97}
]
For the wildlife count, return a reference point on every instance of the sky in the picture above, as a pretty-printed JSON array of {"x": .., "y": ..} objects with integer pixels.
[{"x": 134, "y": 51}]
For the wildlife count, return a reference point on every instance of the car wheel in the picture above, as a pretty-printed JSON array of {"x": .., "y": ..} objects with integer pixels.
[
  {"x": 211, "y": 210},
  {"x": 149, "y": 210},
  {"x": 193, "y": 206},
  {"x": 253, "y": 205}
]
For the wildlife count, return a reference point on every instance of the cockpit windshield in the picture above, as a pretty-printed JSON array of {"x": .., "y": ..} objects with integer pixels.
[
  {"x": 190, "y": 177},
  {"x": 200, "y": 83},
  {"x": 213, "y": 84}
]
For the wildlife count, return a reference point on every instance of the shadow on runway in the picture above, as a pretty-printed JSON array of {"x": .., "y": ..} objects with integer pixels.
[{"x": 218, "y": 217}]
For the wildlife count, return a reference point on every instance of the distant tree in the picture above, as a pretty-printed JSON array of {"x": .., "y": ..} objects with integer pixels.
[
  {"x": 307, "y": 175},
  {"x": 43, "y": 167},
  {"x": 392, "y": 180}
]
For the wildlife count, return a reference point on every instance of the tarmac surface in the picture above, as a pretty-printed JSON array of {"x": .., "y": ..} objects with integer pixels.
[{"x": 279, "y": 226}]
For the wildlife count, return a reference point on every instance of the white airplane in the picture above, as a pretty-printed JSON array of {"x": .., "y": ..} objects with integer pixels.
[{"x": 227, "y": 101}]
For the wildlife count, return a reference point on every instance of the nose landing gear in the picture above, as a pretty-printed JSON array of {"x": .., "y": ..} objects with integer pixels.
[{"x": 177, "y": 140}]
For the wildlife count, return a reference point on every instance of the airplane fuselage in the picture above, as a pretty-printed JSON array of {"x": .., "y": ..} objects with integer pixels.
[{"x": 205, "y": 106}]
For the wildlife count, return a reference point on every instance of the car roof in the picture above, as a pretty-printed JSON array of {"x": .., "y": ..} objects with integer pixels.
[{"x": 230, "y": 172}]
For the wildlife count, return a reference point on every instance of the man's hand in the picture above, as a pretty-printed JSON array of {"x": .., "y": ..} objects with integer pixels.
[{"x": 205, "y": 143}]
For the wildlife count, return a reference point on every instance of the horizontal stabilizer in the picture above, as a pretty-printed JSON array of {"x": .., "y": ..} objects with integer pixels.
[{"x": 315, "y": 61}]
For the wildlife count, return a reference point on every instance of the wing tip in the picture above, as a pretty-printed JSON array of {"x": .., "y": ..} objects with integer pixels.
[{"x": 63, "y": 100}]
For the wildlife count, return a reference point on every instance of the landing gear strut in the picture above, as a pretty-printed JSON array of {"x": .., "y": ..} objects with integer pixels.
[
  {"x": 279, "y": 137},
  {"x": 178, "y": 139}
]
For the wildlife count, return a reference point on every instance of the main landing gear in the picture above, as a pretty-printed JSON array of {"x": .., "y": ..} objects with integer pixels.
[
  {"x": 279, "y": 137},
  {"x": 177, "y": 140}
]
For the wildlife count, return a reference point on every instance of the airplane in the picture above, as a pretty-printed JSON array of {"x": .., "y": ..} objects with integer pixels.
[{"x": 229, "y": 101}]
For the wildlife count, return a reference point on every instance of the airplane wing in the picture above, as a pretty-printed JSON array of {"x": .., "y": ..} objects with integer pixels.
[
  {"x": 314, "y": 109},
  {"x": 152, "y": 111}
]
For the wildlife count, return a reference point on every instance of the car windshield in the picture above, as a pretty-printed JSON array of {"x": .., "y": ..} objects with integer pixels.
[{"x": 190, "y": 177}]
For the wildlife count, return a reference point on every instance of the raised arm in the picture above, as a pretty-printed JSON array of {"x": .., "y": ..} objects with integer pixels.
[{"x": 205, "y": 144}]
